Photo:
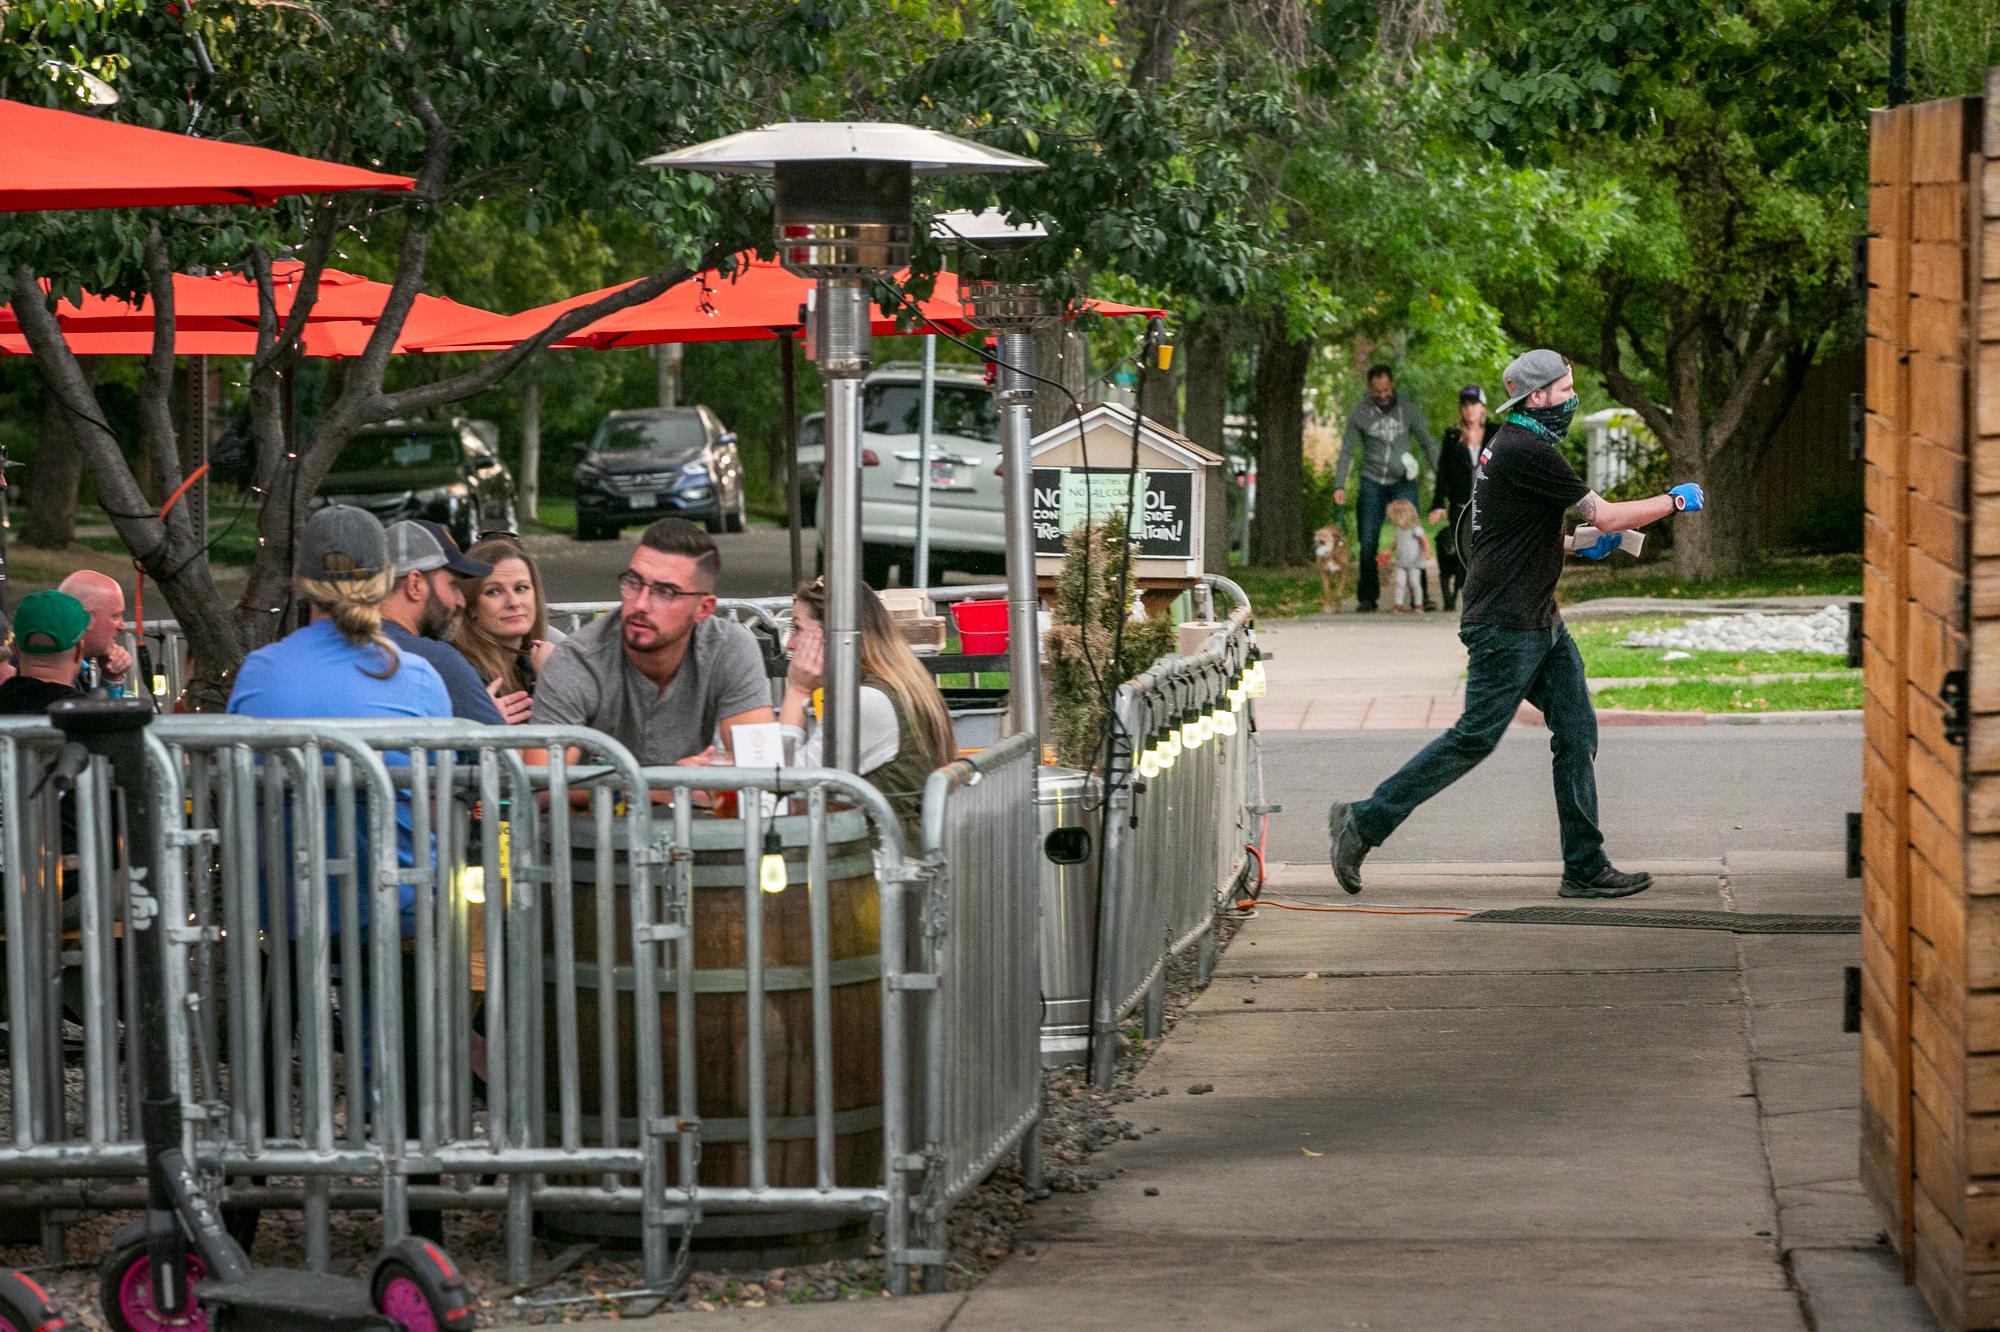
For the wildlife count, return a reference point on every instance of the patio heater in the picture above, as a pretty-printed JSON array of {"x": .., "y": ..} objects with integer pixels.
[
  {"x": 841, "y": 213},
  {"x": 1000, "y": 296}
]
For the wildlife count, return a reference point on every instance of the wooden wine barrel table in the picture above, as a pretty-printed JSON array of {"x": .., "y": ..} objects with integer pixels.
[{"x": 722, "y": 1072}]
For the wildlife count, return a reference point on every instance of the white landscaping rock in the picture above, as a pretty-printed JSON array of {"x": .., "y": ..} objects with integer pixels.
[{"x": 1825, "y": 630}]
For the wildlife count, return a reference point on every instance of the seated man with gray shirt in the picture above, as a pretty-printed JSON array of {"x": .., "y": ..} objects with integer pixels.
[{"x": 660, "y": 675}]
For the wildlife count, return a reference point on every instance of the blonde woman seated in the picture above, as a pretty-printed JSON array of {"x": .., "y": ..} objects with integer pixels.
[
  {"x": 905, "y": 731},
  {"x": 504, "y": 629}
]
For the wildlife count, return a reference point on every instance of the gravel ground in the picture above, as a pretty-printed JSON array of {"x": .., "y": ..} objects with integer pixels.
[
  {"x": 984, "y": 1227},
  {"x": 1824, "y": 630}
]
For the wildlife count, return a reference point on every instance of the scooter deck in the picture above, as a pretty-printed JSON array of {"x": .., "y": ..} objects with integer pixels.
[{"x": 277, "y": 1300}]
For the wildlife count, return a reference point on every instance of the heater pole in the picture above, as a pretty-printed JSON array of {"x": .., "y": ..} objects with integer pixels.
[
  {"x": 841, "y": 352},
  {"x": 1024, "y": 636}
]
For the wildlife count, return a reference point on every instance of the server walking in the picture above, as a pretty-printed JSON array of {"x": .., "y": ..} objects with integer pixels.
[{"x": 1518, "y": 646}]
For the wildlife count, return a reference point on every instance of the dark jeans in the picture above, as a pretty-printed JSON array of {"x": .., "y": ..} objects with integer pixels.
[
  {"x": 1508, "y": 665},
  {"x": 1370, "y": 507}
]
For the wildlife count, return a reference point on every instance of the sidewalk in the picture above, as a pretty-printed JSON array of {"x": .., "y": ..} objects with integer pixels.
[
  {"x": 1406, "y": 672},
  {"x": 1420, "y": 1123}
]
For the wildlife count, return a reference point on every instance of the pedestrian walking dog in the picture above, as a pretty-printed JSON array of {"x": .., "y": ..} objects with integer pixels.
[{"x": 1330, "y": 554}]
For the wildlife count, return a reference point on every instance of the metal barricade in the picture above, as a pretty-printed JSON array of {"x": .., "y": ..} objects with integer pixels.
[
  {"x": 981, "y": 932},
  {"x": 336, "y": 889},
  {"x": 1175, "y": 842}
]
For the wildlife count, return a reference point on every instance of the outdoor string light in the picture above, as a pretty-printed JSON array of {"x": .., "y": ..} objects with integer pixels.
[
  {"x": 771, "y": 873},
  {"x": 841, "y": 213}
]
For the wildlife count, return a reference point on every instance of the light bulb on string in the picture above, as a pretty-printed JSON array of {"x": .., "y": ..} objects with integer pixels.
[
  {"x": 1149, "y": 760},
  {"x": 1225, "y": 723},
  {"x": 772, "y": 875},
  {"x": 1170, "y": 747}
]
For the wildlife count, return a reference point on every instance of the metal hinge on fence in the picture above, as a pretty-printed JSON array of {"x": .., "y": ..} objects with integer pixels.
[
  {"x": 659, "y": 933},
  {"x": 195, "y": 934},
  {"x": 913, "y": 980},
  {"x": 670, "y": 1126},
  {"x": 192, "y": 837},
  {"x": 1955, "y": 696}
]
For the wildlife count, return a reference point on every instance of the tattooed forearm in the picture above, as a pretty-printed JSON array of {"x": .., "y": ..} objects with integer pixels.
[{"x": 1587, "y": 507}]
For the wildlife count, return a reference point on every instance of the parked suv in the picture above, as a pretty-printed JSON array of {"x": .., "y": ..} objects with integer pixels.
[
  {"x": 447, "y": 471},
  {"x": 655, "y": 462},
  {"x": 968, "y": 531}
]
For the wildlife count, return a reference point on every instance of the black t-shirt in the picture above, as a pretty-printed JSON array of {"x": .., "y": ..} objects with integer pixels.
[
  {"x": 1514, "y": 531},
  {"x": 24, "y": 696}
]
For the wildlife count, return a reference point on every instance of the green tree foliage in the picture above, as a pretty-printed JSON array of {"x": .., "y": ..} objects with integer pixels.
[
  {"x": 1738, "y": 135},
  {"x": 540, "y": 112}
]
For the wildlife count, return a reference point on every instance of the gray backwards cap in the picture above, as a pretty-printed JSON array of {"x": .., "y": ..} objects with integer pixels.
[
  {"x": 341, "y": 541},
  {"x": 1531, "y": 371},
  {"x": 417, "y": 546}
]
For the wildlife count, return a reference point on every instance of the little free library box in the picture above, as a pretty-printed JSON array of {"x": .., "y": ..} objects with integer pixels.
[{"x": 1082, "y": 475}]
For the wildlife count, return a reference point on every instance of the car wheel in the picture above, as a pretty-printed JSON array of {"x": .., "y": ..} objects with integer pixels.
[
  {"x": 510, "y": 517},
  {"x": 739, "y": 516},
  {"x": 809, "y": 508},
  {"x": 590, "y": 529},
  {"x": 876, "y": 564}
]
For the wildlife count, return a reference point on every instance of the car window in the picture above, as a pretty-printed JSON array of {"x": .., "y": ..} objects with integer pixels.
[
  {"x": 812, "y": 433},
  {"x": 894, "y": 409},
  {"x": 683, "y": 433},
  {"x": 401, "y": 448}
]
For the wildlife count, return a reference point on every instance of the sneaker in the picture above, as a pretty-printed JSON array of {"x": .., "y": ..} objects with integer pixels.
[
  {"x": 1607, "y": 882},
  {"x": 1348, "y": 848}
]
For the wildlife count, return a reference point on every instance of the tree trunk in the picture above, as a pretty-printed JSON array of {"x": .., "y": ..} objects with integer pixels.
[
  {"x": 1205, "y": 354},
  {"x": 1062, "y": 356},
  {"x": 529, "y": 489},
  {"x": 51, "y": 518},
  {"x": 1278, "y": 536},
  {"x": 1721, "y": 539},
  {"x": 1159, "y": 397}
]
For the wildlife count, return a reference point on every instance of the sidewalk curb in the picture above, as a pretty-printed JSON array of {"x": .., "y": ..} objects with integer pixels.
[{"x": 1634, "y": 717}]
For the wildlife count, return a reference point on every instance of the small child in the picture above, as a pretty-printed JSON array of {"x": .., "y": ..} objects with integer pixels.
[{"x": 1413, "y": 548}]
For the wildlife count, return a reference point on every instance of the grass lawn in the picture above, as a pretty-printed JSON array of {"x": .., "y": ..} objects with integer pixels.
[
  {"x": 1706, "y": 696},
  {"x": 1604, "y": 656},
  {"x": 558, "y": 514},
  {"x": 1783, "y": 576}
]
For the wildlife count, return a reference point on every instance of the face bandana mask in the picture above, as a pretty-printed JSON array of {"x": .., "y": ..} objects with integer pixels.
[{"x": 1551, "y": 423}]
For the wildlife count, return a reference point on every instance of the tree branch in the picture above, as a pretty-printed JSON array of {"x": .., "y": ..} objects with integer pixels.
[
  {"x": 156, "y": 422},
  {"x": 1737, "y": 401},
  {"x": 1610, "y": 365}
]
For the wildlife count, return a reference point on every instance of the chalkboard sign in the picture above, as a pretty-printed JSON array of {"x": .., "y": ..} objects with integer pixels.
[{"x": 1064, "y": 495}]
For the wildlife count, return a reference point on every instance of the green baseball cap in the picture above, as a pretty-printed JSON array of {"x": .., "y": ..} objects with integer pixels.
[{"x": 46, "y": 623}]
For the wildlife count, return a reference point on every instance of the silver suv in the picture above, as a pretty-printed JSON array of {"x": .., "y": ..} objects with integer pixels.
[{"x": 967, "y": 532}]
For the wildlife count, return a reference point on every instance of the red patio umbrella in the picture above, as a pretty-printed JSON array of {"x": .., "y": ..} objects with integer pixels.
[
  {"x": 52, "y": 160},
  {"x": 227, "y": 303},
  {"x": 760, "y": 300}
]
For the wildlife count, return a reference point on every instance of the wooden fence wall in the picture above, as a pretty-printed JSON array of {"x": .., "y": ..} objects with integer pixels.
[{"x": 1930, "y": 1049}]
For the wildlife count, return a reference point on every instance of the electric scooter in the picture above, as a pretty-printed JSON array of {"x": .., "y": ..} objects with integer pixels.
[{"x": 179, "y": 1268}]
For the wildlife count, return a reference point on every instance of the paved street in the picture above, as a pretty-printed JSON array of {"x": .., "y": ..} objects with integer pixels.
[{"x": 1420, "y": 1123}]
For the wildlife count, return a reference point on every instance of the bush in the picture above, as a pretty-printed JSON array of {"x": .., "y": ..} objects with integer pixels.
[{"x": 1827, "y": 520}]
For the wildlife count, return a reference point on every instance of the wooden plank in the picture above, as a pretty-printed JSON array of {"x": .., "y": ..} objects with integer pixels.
[
  {"x": 1988, "y": 399},
  {"x": 1982, "y": 1088},
  {"x": 1937, "y": 396},
  {"x": 1982, "y": 804},
  {"x": 1942, "y": 133},
  {"x": 1989, "y": 250},
  {"x": 1984, "y": 689},
  {"x": 1889, "y": 146},
  {"x": 1927, "y": 731},
  {"x": 1924, "y": 644},
  {"x": 1986, "y": 525},
  {"x": 1982, "y": 746},
  {"x": 1936, "y": 530},
  {"x": 1982, "y": 861},
  {"x": 1940, "y": 1166},
  {"x": 1982, "y": 1022},
  {"x": 1941, "y": 982},
  {"x": 1937, "y": 786},
  {"x": 1937, "y": 269},
  {"x": 1986, "y": 588},
  {"x": 1943, "y": 916},
  {"x": 1881, "y": 493},
  {"x": 1942, "y": 1088},
  {"x": 1990, "y": 189},
  {"x": 1935, "y": 1268},
  {"x": 1885, "y": 385},
  {"x": 1938, "y": 328},
  {"x": 1982, "y": 1224},
  {"x": 1939, "y": 845},
  {"x": 1982, "y": 937},
  {"x": 1878, "y": 543},
  {"x": 1936, "y": 587},
  {"x": 1933, "y": 212},
  {"x": 1937, "y": 473}
]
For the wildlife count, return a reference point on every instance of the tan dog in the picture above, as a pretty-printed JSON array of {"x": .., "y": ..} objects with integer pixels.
[{"x": 1330, "y": 554}]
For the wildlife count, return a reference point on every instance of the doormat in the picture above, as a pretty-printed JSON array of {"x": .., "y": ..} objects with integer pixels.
[{"x": 1736, "y": 922}]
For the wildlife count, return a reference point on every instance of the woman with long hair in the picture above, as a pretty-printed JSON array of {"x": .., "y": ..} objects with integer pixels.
[
  {"x": 1451, "y": 489},
  {"x": 504, "y": 629},
  {"x": 905, "y": 729}
]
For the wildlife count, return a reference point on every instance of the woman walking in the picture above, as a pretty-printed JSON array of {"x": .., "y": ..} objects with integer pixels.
[{"x": 1451, "y": 488}]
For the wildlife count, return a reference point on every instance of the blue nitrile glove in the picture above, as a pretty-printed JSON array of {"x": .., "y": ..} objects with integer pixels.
[
  {"x": 1601, "y": 547},
  {"x": 1687, "y": 497}
]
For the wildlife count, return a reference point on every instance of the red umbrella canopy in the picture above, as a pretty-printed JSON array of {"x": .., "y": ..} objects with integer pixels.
[
  {"x": 53, "y": 160},
  {"x": 217, "y": 316}
]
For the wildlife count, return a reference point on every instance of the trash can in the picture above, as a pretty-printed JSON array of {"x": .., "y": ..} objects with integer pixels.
[{"x": 1067, "y": 800}]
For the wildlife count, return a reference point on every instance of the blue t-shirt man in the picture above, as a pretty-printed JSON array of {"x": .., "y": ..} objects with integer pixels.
[{"x": 317, "y": 672}]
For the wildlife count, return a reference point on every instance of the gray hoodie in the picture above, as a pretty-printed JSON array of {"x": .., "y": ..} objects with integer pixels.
[{"x": 1381, "y": 436}]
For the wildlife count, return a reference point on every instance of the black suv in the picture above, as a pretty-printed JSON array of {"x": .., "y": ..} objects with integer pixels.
[
  {"x": 447, "y": 471},
  {"x": 654, "y": 462}
]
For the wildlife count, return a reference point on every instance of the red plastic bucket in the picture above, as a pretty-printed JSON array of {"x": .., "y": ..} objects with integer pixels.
[{"x": 982, "y": 627}]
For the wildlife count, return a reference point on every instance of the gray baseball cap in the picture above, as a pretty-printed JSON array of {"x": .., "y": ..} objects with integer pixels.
[
  {"x": 341, "y": 541},
  {"x": 416, "y": 546},
  {"x": 1531, "y": 371}
]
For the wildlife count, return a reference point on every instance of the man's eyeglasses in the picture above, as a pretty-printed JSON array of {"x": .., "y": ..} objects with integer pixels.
[{"x": 632, "y": 585}]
